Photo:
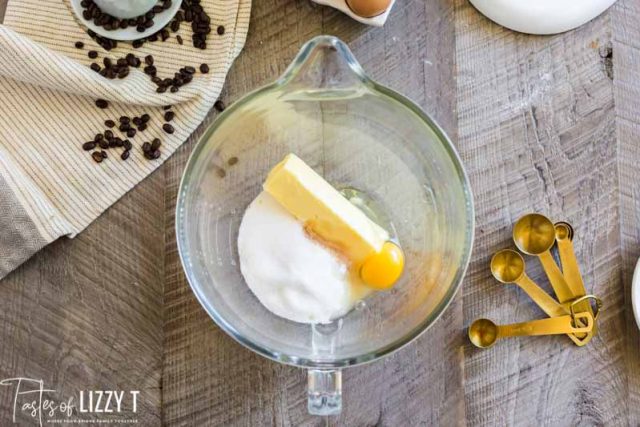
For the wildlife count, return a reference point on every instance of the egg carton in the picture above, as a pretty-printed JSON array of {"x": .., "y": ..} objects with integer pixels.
[{"x": 341, "y": 5}]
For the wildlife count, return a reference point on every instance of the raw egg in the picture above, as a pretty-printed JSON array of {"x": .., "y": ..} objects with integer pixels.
[
  {"x": 381, "y": 270},
  {"x": 368, "y": 8}
]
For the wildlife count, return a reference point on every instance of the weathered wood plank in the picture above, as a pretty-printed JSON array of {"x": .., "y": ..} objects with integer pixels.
[
  {"x": 537, "y": 131},
  {"x": 208, "y": 379},
  {"x": 625, "y": 17},
  {"x": 86, "y": 314}
]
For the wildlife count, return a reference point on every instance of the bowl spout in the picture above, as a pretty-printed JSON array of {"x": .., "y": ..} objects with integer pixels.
[{"x": 325, "y": 63}]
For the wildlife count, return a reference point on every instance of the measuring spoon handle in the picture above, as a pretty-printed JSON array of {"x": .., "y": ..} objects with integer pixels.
[
  {"x": 551, "y": 326},
  {"x": 560, "y": 286},
  {"x": 550, "y": 306},
  {"x": 570, "y": 267}
]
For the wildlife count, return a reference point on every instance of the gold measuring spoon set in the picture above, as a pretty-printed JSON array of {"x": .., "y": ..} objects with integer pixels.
[{"x": 572, "y": 313}]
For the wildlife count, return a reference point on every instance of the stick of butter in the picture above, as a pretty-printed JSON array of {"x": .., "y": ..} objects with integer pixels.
[{"x": 324, "y": 211}]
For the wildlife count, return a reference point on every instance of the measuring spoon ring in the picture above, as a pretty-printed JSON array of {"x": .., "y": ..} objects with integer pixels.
[
  {"x": 534, "y": 234},
  {"x": 508, "y": 266},
  {"x": 484, "y": 333}
]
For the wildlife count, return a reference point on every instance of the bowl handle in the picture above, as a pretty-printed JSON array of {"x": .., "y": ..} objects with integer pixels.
[{"x": 324, "y": 391}]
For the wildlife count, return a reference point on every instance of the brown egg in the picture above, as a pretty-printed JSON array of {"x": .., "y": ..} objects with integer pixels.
[{"x": 368, "y": 8}]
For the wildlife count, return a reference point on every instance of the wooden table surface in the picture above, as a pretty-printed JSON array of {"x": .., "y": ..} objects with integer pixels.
[{"x": 549, "y": 124}]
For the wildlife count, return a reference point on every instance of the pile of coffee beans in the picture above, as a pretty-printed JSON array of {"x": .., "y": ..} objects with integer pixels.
[
  {"x": 107, "y": 44},
  {"x": 191, "y": 11},
  {"x": 129, "y": 128},
  {"x": 93, "y": 13},
  {"x": 104, "y": 141}
]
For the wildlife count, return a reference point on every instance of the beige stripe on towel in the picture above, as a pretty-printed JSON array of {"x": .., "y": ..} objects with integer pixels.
[{"x": 47, "y": 110}]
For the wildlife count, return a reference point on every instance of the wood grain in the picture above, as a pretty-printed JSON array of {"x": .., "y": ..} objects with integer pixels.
[
  {"x": 543, "y": 123},
  {"x": 211, "y": 380},
  {"x": 537, "y": 127}
]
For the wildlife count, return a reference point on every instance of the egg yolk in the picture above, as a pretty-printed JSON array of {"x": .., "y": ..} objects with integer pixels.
[{"x": 381, "y": 270}]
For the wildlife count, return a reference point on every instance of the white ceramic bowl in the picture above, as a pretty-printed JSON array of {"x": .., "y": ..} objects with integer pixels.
[
  {"x": 541, "y": 16},
  {"x": 125, "y": 9},
  {"x": 128, "y": 34},
  {"x": 635, "y": 293}
]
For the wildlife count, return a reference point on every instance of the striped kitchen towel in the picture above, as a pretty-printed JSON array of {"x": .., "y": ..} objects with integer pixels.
[{"x": 48, "y": 110}]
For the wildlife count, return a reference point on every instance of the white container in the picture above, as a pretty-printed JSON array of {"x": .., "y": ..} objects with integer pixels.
[
  {"x": 541, "y": 16},
  {"x": 125, "y": 9}
]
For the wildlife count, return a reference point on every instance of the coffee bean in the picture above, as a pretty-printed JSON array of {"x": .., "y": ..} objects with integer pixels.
[
  {"x": 97, "y": 157},
  {"x": 104, "y": 154},
  {"x": 169, "y": 115},
  {"x": 88, "y": 146},
  {"x": 180, "y": 41},
  {"x": 141, "y": 28},
  {"x": 161, "y": 89},
  {"x": 127, "y": 144},
  {"x": 136, "y": 121},
  {"x": 148, "y": 59},
  {"x": 99, "y": 137},
  {"x": 107, "y": 62},
  {"x": 95, "y": 67},
  {"x": 124, "y": 127},
  {"x": 232, "y": 161},
  {"x": 219, "y": 105},
  {"x": 146, "y": 147},
  {"x": 131, "y": 133},
  {"x": 92, "y": 54},
  {"x": 137, "y": 44},
  {"x": 108, "y": 134},
  {"x": 101, "y": 103},
  {"x": 150, "y": 70},
  {"x": 220, "y": 29},
  {"x": 189, "y": 69},
  {"x": 166, "y": 107},
  {"x": 125, "y": 155},
  {"x": 157, "y": 80},
  {"x": 142, "y": 127},
  {"x": 204, "y": 68},
  {"x": 168, "y": 128},
  {"x": 124, "y": 119},
  {"x": 109, "y": 123},
  {"x": 175, "y": 26},
  {"x": 104, "y": 144},
  {"x": 79, "y": 45},
  {"x": 174, "y": 89},
  {"x": 123, "y": 73},
  {"x": 164, "y": 34},
  {"x": 155, "y": 154},
  {"x": 155, "y": 144},
  {"x": 118, "y": 142},
  {"x": 145, "y": 118}
]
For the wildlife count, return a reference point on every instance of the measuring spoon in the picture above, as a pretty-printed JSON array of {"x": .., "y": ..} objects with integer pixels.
[
  {"x": 507, "y": 266},
  {"x": 534, "y": 234},
  {"x": 484, "y": 333},
  {"x": 571, "y": 271}
]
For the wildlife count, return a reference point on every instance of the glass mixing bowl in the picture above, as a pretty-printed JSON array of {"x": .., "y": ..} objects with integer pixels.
[{"x": 371, "y": 143}]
